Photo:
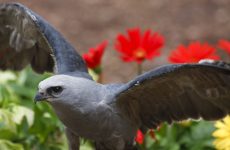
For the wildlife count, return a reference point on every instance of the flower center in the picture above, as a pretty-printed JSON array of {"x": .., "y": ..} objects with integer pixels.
[
  {"x": 195, "y": 60},
  {"x": 140, "y": 53}
]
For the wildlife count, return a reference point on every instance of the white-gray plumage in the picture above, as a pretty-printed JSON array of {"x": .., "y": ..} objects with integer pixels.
[
  {"x": 108, "y": 114},
  {"x": 83, "y": 107}
]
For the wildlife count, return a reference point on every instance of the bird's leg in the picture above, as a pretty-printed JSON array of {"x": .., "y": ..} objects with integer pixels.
[
  {"x": 73, "y": 140},
  {"x": 116, "y": 145}
]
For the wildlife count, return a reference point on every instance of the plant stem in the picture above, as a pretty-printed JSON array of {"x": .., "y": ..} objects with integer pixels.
[
  {"x": 139, "y": 69},
  {"x": 100, "y": 76}
]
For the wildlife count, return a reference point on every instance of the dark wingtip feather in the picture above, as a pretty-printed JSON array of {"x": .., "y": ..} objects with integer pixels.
[{"x": 44, "y": 35}]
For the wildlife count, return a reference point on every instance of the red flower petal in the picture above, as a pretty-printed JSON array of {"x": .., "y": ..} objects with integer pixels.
[
  {"x": 93, "y": 57},
  {"x": 139, "y": 137},
  {"x": 225, "y": 45},
  {"x": 135, "y": 38},
  {"x": 138, "y": 47},
  {"x": 193, "y": 53}
]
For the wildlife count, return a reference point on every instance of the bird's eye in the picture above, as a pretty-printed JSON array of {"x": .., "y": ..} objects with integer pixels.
[{"x": 55, "y": 90}]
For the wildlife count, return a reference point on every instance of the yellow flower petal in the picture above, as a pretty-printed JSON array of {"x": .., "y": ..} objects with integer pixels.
[
  {"x": 222, "y": 144},
  {"x": 222, "y": 134},
  {"x": 227, "y": 121},
  {"x": 220, "y": 124}
]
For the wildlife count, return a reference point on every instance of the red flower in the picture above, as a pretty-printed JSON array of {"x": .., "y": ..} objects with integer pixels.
[
  {"x": 93, "y": 57},
  {"x": 138, "y": 47},
  {"x": 193, "y": 53},
  {"x": 139, "y": 137},
  {"x": 225, "y": 45}
]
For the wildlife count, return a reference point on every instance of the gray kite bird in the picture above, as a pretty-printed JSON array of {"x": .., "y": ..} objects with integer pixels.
[{"x": 108, "y": 114}]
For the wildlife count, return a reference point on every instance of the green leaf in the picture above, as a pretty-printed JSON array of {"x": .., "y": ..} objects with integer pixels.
[
  {"x": 7, "y": 145},
  {"x": 8, "y": 128},
  {"x": 7, "y": 76},
  {"x": 23, "y": 91},
  {"x": 19, "y": 112}
]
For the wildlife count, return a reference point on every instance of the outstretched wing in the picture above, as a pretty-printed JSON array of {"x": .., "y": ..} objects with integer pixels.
[
  {"x": 26, "y": 38},
  {"x": 175, "y": 93}
]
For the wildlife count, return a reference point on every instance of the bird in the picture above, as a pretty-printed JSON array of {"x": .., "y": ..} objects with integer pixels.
[{"x": 108, "y": 114}]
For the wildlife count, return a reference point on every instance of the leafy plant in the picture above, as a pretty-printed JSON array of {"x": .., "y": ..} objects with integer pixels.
[{"x": 24, "y": 125}]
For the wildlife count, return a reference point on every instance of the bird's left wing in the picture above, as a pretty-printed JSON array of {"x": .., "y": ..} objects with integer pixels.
[
  {"x": 175, "y": 93},
  {"x": 26, "y": 38}
]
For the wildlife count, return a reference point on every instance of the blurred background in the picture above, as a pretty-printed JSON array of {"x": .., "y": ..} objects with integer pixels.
[{"x": 86, "y": 23}]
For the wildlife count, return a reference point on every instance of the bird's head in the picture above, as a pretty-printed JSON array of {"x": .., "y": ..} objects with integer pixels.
[
  {"x": 53, "y": 89},
  {"x": 65, "y": 88}
]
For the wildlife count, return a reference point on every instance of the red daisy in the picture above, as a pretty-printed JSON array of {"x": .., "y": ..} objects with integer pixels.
[
  {"x": 138, "y": 47},
  {"x": 193, "y": 53},
  {"x": 94, "y": 55},
  {"x": 225, "y": 45}
]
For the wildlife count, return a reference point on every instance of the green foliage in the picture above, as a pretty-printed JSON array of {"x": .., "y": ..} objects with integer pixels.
[
  {"x": 24, "y": 125},
  {"x": 5, "y": 145},
  {"x": 190, "y": 135}
]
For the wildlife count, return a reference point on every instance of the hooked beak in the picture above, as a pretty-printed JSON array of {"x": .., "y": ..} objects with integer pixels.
[{"x": 39, "y": 97}]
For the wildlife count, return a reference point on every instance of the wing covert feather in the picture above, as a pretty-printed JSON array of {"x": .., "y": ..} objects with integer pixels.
[{"x": 175, "y": 93}]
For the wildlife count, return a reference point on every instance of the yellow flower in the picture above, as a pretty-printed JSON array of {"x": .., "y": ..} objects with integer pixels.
[{"x": 222, "y": 134}]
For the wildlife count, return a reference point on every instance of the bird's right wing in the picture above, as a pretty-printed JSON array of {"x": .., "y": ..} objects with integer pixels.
[
  {"x": 175, "y": 93},
  {"x": 26, "y": 38}
]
